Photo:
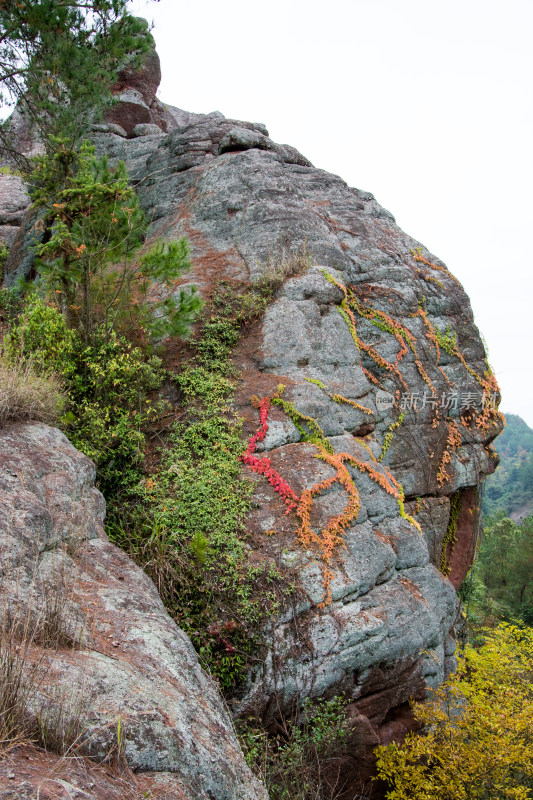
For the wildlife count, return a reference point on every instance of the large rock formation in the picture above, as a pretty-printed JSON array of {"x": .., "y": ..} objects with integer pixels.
[
  {"x": 381, "y": 435},
  {"x": 108, "y": 672},
  {"x": 375, "y": 341}
]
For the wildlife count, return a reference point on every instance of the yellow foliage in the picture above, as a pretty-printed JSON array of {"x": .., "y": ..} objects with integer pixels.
[{"x": 477, "y": 736}]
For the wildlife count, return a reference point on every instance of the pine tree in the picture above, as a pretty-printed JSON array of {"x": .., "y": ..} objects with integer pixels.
[
  {"x": 59, "y": 60},
  {"x": 93, "y": 261}
]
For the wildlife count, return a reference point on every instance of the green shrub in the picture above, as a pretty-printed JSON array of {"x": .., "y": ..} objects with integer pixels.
[
  {"x": 110, "y": 407},
  {"x": 11, "y": 305},
  {"x": 108, "y": 387},
  {"x": 42, "y": 336},
  {"x": 185, "y": 521},
  {"x": 4, "y": 252},
  {"x": 303, "y": 760}
]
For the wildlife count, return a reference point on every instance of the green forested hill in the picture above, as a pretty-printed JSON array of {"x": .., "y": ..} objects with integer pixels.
[
  {"x": 510, "y": 489},
  {"x": 500, "y": 586}
]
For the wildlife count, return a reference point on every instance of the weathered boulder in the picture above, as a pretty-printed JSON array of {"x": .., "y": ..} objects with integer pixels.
[
  {"x": 121, "y": 673},
  {"x": 136, "y": 104},
  {"x": 382, "y": 432},
  {"x": 375, "y": 342},
  {"x": 145, "y": 80},
  {"x": 14, "y": 202}
]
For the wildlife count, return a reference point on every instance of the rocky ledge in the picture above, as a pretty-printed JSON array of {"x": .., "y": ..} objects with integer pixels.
[{"x": 108, "y": 674}]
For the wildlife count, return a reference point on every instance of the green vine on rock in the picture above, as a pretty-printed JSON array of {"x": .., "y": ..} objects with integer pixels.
[
  {"x": 301, "y": 420},
  {"x": 450, "y": 538},
  {"x": 447, "y": 340},
  {"x": 389, "y": 435},
  {"x": 338, "y": 398}
]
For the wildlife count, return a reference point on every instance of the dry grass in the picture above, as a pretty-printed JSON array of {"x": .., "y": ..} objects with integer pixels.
[
  {"x": 54, "y": 624},
  {"x": 33, "y": 626},
  {"x": 25, "y": 395},
  {"x": 59, "y": 723},
  {"x": 279, "y": 268},
  {"x": 17, "y": 681}
]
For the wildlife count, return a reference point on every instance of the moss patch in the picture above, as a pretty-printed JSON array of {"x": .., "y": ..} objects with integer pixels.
[
  {"x": 450, "y": 538},
  {"x": 186, "y": 522}
]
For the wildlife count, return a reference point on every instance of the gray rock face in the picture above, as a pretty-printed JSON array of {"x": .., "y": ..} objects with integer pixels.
[
  {"x": 245, "y": 204},
  {"x": 147, "y": 130},
  {"x": 131, "y": 662},
  {"x": 14, "y": 202},
  {"x": 372, "y": 315}
]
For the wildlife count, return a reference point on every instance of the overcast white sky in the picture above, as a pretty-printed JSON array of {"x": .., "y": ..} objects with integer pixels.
[{"x": 426, "y": 104}]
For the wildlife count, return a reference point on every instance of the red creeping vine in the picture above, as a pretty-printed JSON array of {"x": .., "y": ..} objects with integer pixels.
[
  {"x": 330, "y": 538},
  {"x": 262, "y": 466}
]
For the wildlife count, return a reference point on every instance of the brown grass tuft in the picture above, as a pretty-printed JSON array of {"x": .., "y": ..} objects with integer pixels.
[
  {"x": 281, "y": 267},
  {"x": 16, "y": 685},
  {"x": 25, "y": 395}
]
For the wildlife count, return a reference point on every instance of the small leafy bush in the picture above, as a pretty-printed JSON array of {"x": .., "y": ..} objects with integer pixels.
[
  {"x": 110, "y": 407},
  {"x": 302, "y": 761},
  {"x": 41, "y": 335},
  {"x": 11, "y": 305},
  {"x": 108, "y": 387}
]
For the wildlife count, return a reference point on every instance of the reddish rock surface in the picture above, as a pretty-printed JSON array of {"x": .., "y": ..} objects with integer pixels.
[{"x": 462, "y": 553}]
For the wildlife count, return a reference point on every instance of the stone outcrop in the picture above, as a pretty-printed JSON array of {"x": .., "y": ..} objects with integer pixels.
[
  {"x": 120, "y": 668},
  {"x": 375, "y": 341},
  {"x": 13, "y": 206},
  {"x": 384, "y": 411},
  {"x": 135, "y": 99}
]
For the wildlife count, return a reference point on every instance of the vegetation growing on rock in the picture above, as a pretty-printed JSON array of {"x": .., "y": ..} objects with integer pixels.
[
  {"x": 303, "y": 760},
  {"x": 341, "y": 581},
  {"x": 186, "y": 521}
]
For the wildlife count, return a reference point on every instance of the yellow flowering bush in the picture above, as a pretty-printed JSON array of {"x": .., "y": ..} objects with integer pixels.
[{"x": 477, "y": 735}]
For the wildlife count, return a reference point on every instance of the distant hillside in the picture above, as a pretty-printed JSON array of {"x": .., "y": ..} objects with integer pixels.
[{"x": 510, "y": 489}]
